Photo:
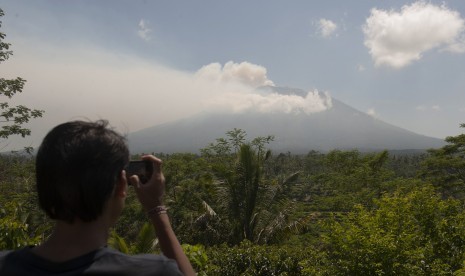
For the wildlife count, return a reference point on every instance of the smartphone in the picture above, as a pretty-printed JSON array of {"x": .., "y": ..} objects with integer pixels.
[{"x": 141, "y": 168}]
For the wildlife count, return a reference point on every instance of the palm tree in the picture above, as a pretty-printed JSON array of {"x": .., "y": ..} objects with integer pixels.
[
  {"x": 257, "y": 209},
  {"x": 243, "y": 190}
]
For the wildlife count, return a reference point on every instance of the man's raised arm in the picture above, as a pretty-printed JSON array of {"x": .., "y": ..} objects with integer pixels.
[{"x": 151, "y": 195}]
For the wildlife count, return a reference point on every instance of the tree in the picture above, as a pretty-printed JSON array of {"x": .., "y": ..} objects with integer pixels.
[
  {"x": 13, "y": 118},
  {"x": 413, "y": 233},
  {"x": 190, "y": 184},
  {"x": 254, "y": 206},
  {"x": 243, "y": 191},
  {"x": 445, "y": 167},
  {"x": 345, "y": 178}
]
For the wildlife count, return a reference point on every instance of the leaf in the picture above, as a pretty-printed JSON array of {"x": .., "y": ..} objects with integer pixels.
[
  {"x": 145, "y": 239},
  {"x": 118, "y": 243}
]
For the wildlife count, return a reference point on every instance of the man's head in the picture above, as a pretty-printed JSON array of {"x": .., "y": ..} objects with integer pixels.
[{"x": 77, "y": 168}]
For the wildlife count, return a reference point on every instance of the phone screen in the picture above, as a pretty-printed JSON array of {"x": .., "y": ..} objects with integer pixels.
[{"x": 143, "y": 169}]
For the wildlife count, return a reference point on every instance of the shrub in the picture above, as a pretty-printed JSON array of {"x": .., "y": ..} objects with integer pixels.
[{"x": 249, "y": 259}]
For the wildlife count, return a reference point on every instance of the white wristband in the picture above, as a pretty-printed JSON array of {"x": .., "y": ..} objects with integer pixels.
[{"x": 157, "y": 210}]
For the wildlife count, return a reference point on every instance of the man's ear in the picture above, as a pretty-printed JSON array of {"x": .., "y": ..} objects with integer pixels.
[{"x": 121, "y": 185}]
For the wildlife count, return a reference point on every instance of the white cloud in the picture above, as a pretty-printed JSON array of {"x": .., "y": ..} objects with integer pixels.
[
  {"x": 372, "y": 112},
  {"x": 457, "y": 47},
  {"x": 436, "y": 108},
  {"x": 361, "y": 68},
  {"x": 326, "y": 27},
  {"x": 397, "y": 39},
  {"x": 144, "y": 31},
  {"x": 246, "y": 73}
]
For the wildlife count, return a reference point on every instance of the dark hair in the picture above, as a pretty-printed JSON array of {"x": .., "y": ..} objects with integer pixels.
[{"x": 77, "y": 166}]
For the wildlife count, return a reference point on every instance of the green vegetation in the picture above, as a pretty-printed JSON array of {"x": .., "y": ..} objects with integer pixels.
[
  {"x": 21, "y": 221},
  {"x": 239, "y": 210}
]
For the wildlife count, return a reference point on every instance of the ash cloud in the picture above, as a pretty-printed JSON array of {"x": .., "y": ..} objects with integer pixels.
[
  {"x": 133, "y": 94},
  {"x": 313, "y": 102},
  {"x": 239, "y": 94}
]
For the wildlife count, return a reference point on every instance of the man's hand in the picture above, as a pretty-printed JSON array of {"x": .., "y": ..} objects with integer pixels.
[
  {"x": 151, "y": 193},
  {"x": 150, "y": 196}
]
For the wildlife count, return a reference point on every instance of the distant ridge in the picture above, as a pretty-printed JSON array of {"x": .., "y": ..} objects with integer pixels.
[{"x": 340, "y": 127}]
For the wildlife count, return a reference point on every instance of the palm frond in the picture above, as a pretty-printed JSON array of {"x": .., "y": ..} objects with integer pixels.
[
  {"x": 291, "y": 178},
  {"x": 118, "y": 243},
  {"x": 279, "y": 232},
  {"x": 209, "y": 210},
  {"x": 207, "y": 215},
  {"x": 145, "y": 238}
]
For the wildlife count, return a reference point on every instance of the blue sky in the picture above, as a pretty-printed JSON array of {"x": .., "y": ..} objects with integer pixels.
[{"x": 140, "y": 63}]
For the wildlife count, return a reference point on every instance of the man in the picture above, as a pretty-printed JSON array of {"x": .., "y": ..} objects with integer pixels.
[{"x": 82, "y": 185}]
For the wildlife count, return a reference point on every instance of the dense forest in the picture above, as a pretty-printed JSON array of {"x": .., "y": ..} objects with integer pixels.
[{"x": 239, "y": 209}]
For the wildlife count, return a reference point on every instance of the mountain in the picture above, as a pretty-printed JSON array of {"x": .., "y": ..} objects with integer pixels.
[{"x": 339, "y": 127}]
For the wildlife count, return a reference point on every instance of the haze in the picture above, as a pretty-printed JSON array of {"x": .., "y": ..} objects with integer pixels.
[{"x": 142, "y": 63}]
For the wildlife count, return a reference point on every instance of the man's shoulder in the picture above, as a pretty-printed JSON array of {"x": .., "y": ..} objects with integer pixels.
[
  {"x": 110, "y": 253},
  {"x": 9, "y": 259},
  {"x": 104, "y": 261},
  {"x": 3, "y": 256},
  {"x": 142, "y": 264},
  {"x": 4, "y": 253}
]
